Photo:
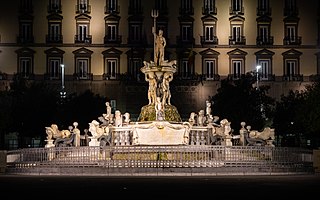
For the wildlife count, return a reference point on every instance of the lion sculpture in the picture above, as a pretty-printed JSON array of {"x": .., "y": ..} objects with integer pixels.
[{"x": 53, "y": 132}]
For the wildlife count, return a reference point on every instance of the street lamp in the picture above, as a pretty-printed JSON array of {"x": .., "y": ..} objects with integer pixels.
[
  {"x": 257, "y": 74},
  {"x": 63, "y": 93}
]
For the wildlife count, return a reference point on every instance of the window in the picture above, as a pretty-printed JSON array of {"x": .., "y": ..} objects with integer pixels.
[
  {"x": 83, "y": 4},
  {"x": 82, "y": 63},
  {"x": 135, "y": 7},
  {"x": 290, "y": 8},
  {"x": 209, "y": 33},
  {"x": 291, "y": 65},
  {"x": 236, "y": 63},
  {"x": 83, "y": 68},
  {"x": 263, "y": 4},
  {"x": 54, "y": 68},
  {"x": 161, "y": 4},
  {"x": 263, "y": 8},
  {"x": 26, "y": 35},
  {"x": 25, "y": 67},
  {"x": 82, "y": 32},
  {"x": 134, "y": 68},
  {"x": 264, "y": 33},
  {"x": 54, "y": 61},
  {"x": 112, "y": 32},
  {"x": 209, "y": 7},
  {"x": 186, "y": 33},
  {"x": 209, "y": 30},
  {"x": 291, "y": 33},
  {"x": 135, "y": 32},
  {"x": 54, "y": 5},
  {"x": 186, "y": 7},
  {"x": 236, "y": 33},
  {"x": 54, "y": 32},
  {"x": 26, "y": 6},
  {"x": 210, "y": 69},
  {"x": 135, "y": 4},
  {"x": 111, "y": 68},
  {"x": 290, "y": 69},
  {"x": 25, "y": 63},
  {"x": 291, "y": 37},
  {"x": 236, "y": 6},
  {"x": 264, "y": 59},
  {"x": 186, "y": 4},
  {"x": 112, "y": 5},
  {"x": 290, "y": 4},
  {"x": 264, "y": 72},
  {"x": 186, "y": 68},
  {"x": 236, "y": 68},
  {"x": 83, "y": 7}
]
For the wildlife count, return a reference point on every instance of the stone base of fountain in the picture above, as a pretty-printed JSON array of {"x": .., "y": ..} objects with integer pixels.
[{"x": 148, "y": 113}]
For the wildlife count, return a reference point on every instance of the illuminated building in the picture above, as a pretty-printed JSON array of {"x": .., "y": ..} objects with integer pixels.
[{"x": 103, "y": 43}]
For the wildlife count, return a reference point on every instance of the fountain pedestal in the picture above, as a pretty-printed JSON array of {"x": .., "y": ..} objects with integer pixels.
[{"x": 161, "y": 133}]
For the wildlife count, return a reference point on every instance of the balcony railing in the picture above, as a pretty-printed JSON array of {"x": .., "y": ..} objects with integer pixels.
[{"x": 237, "y": 41}]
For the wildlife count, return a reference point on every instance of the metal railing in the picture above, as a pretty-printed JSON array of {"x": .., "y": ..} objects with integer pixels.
[{"x": 165, "y": 156}]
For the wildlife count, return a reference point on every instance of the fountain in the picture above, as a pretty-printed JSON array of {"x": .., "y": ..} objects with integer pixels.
[{"x": 159, "y": 122}]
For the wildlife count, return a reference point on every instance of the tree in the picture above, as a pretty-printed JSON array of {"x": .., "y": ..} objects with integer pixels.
[
  {"x": 309, "y": 114},
  {"x": 81, "y": 108},
  {"x": 238, "y": 100},
  {"x": 34, "y": 104},
  {"x": 6, "y": 118},
  {"x": 286, "y": 118}
]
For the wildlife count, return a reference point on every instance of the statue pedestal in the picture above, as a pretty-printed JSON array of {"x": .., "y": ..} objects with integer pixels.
[
  {"x": 94, "y": 142},
  {"x": 50, "y": 150},
  {"x": 161, "y": 133},
  {"x": 49, "y": 143}
]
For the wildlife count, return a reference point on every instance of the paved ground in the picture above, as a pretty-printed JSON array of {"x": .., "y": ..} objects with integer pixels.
[{"x": 226, "y": 187}]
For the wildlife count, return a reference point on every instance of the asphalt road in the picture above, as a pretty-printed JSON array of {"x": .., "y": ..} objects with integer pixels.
[{"x": 213, "y": 187}]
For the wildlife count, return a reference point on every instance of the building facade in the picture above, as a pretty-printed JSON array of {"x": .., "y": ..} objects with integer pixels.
[{"x": 102, "y": 44}]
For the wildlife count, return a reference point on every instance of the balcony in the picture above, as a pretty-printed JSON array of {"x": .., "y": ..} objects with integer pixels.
[
  {"x": 292, "y": 40},
  {"x": 111, "y": 10},
  {"x": 83, "y": 9},
  {"x": 25, "y": 40},
  {"x": 207, "y": 42},
  {"x": 237, "y": 40},
  {"x": 294, "y": 77},
  {"x": 186, "y": 11},
  {"x": 185, "y": 41},
  {"x": 112, "y": 41},
  {"x": 209, "y": 10},
  {"x": 80, "y": 39},
  {"x": 54, "y": 8},
  {"x": 263, "y": 11},
  {"x": 264, "y": 40},
  {"x": 236, "y": 11},
  {"x": 54, "y": 39}
]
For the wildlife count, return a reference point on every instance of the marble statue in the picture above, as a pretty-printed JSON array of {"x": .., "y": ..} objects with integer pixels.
[
  {"x": 117, "y": 118},
  {"x": 167, "y": 77},
  {"x": 152, "y": 91},
  {"x": 160, "y": 43},
  {"x": 108, "y": 114},
  {"x": 95, "y": 129},
  {"x": 208, "y": 108},
  {"x": 76, "y": 131},
  {"x": 201, "y": 118},
  {"x": 126, "y": 119},
  {"x": 192, "y": 118},
  {"x": 159, "y": 110},
  {"x": 54, "y": 132}
]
